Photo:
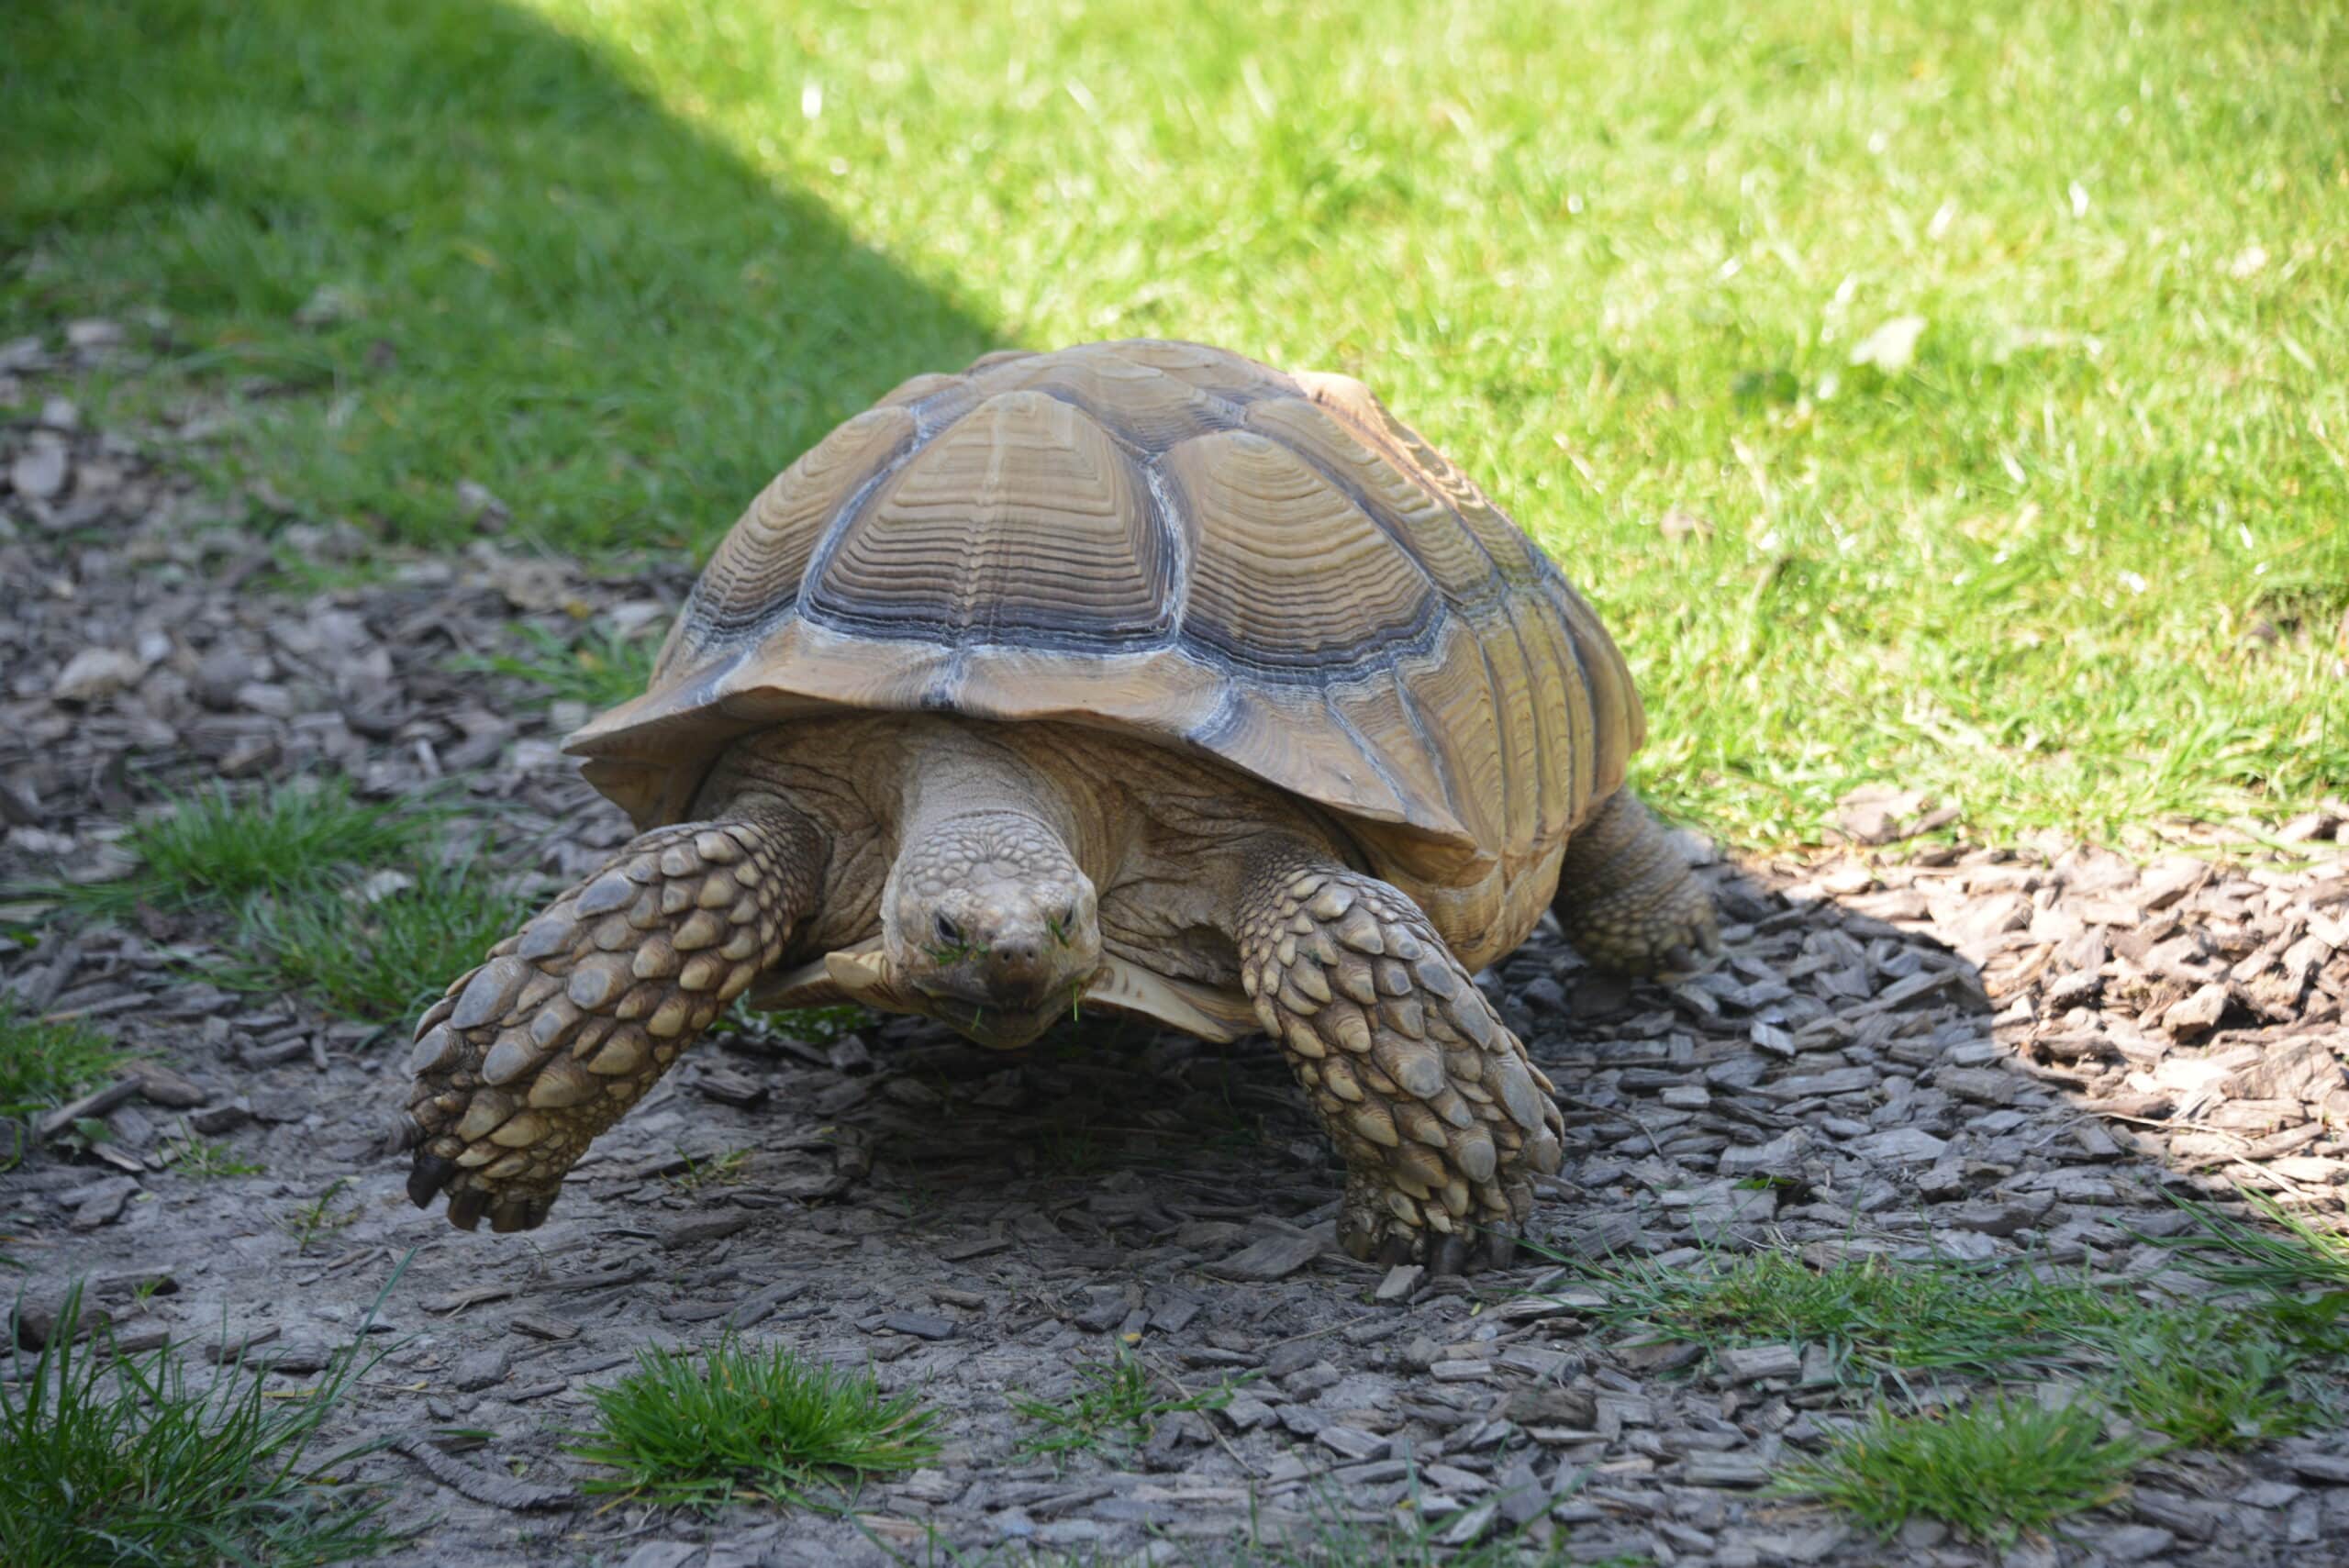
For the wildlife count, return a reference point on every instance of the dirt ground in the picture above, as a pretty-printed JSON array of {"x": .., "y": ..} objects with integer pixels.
[{"x": 1969, "y": 1051}]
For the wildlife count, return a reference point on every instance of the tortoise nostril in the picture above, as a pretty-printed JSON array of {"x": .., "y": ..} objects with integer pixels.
[{"x": 1018, "y": 956}]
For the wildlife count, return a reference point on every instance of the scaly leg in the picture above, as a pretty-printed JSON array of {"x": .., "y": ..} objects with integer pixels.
[
  {"x": 1441, "y": 1120},
  {"x": 1627, "y": 899},
  {"x": 574, "y": 1017}
]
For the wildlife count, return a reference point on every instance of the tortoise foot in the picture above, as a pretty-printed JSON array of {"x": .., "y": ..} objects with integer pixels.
[
  {"x": 1371, "y": 1227},
  {"x": 573, "y": 1018},
  {"x": 1629, "y": 901},
  {"x": 1439, "y": 1117}
]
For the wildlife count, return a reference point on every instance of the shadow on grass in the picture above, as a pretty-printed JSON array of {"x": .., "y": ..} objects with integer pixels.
[{"x": 433, "y": 241}]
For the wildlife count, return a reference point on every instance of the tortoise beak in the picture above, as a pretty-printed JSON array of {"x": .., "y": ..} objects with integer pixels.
[
  {"x": 1000, "y": 1016},
  {"x": 997, "y": 1021}
]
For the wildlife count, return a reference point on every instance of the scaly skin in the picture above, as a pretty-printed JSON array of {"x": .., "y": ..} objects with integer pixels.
[
  {"x": 1441, "y": 1120},
  {"x": 1626, "y": 898},
  {"x": 572, "y": 1019}
]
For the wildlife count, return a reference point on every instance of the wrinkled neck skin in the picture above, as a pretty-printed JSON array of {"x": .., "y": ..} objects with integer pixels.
[{"x": 990, "y": 919}]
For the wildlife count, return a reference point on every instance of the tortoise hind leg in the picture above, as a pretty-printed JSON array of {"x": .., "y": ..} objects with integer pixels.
[
  {"x": 571, "y": 1020},
  {"x": 1441, "y": 1120},
  {"x": 1627, "y": 899}
]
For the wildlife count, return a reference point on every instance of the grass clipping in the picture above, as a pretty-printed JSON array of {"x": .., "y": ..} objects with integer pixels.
[{"x": 736, "y": 1422}]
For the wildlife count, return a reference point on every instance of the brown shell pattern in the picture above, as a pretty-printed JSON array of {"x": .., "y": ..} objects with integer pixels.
[{"x": 1180, "y": 543}]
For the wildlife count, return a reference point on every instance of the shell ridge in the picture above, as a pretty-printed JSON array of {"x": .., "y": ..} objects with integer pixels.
[
  {"x": 828, "y": 544},
  {"x": 1587, "y": 637},
  {"x": 959, "y": 522},
  {"x": 1166, "y": 514},
  {"x": 1590, "y": 697},
  {"x": 1628, "y": 692},
  {"x": 1383, "y": 446},
  {"x": 1326, "y": 663},
  {"x": 1496, "y": 716},
  {"x": 1415, "y": 714},
  {"x": 1373, "y": 753},
  {"x": 705, "y": 622},
  {"x": 1368, "y": 507}
]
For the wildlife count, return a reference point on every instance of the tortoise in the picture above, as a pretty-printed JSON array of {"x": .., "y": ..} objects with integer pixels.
[{"x": 1136, "y": 675}]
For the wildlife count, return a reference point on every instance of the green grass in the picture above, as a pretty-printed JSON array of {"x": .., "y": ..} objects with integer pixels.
[
  {"x": 1877, "y": 1317},
  {"x": 816, "y": 1026},
  {"x": 2077, "y": 558},
  {"x": 207, "y": 1159},
  {"x": 2197, "y": 1371},
  {"x": 735, "y": 1421},
  {"x": 321, "y": 1217},
  {"x": 386, "y": 959},
  {"x": 726, "y": 1168},
  {"x": 116, "y": 1459},
  {"x": 2207, "y": 1380},
  {"x": 220, "y": 849},
  {"x": 1994, "y": 1469},
  {"x": 1111, "y": 1402},
  {"x": 285, "y": 866},
  {"x": 600, "y": 667},
  {"x": 2295, "y": 1255},
  {"x": 2226, "y": 1375},
  {"x": 44, "y": 1065}
]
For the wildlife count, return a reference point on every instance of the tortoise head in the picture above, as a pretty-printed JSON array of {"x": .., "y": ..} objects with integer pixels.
[{"x": 988, "y": 918}]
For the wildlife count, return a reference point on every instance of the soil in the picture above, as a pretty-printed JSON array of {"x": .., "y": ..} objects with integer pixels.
[{"x": 1912, "y": 1047}]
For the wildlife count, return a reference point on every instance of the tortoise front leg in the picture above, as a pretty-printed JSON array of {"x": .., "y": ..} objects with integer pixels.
[
  {"x": 575, "y": 1017},
  {"x": 1441, "y": 1120}
]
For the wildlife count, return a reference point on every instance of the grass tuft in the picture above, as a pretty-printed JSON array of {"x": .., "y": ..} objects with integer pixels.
[
  {"x": 2207, "y": 1380},
  {"x": 1994, "y": 1469},
  {"x": 1112, "y": 1402},
  {"x": 44, "y": 1065},
  {"x": 114, "y": 1459},
  {"x": 213, "y": 847},
  {"x": 701, "y": 1429},
  {"x": 2227, "y": 1251},
  {"x": 726, "y": 1168},
  {"x": 206, "y": 1159},
  {"x": 387, "y": 958},
  {"x": 287, "y": 865},
  {"x": 1877, "y": 1317},
  {"x": 322, "y": 1215}
]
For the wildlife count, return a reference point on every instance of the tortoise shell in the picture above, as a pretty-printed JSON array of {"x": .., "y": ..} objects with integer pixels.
[{"x": 1180, "y": 545}]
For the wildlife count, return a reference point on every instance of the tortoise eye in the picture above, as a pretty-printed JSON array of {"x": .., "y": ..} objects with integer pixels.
[{"x": 948, "y": 932}]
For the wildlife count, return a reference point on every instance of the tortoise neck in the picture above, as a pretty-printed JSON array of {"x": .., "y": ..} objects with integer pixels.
[{"x": 954, "y": 772}]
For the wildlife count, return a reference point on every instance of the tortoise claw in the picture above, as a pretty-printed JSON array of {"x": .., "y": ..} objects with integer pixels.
[
  {"x": 465, "y": 1208},
  {"x": 521, "y": 1211},
  {"x": 1448, "y": 1255},
  {"x": 1497, "y": 1248},
  {"x": 426, "y": 1177}
]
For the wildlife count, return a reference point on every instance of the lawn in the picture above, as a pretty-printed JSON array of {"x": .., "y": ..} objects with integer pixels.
[{"x": 1953, "y": 396}]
